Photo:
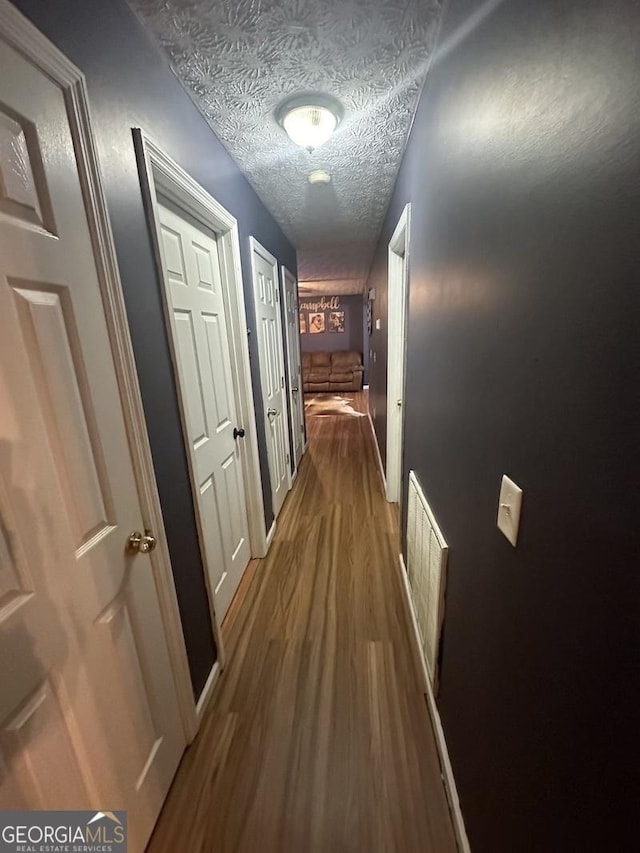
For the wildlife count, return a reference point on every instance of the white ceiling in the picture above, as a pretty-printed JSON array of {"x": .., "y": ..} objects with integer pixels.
[{"x": 241, "y": 58}]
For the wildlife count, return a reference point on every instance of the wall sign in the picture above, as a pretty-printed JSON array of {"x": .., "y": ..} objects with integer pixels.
[{"x": 321, "y": 315}]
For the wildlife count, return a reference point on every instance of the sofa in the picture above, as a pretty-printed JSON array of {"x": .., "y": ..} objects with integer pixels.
[{"x": 331, "y": 371}]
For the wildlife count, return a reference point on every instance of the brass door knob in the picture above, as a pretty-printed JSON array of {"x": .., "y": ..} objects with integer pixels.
[{"x": 141, "y": 543}]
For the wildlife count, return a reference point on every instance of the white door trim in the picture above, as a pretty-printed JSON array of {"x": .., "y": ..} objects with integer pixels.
[
  {"x": 284, "y": 274},
  {"x": 161, "y": 174},
  {"x": 207, "y": 690},
  {"x": 21, "y": 34},
  {"x": 256, "y": 247},
  {"x": 397, "y": 343}
]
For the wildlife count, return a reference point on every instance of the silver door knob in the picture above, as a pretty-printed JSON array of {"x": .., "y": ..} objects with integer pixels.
[
  {"x": 295, "y": 389},
  {"x": 141, "y": 543},
  {"x": 399, "y": 404},
  {"x": 271, "y": 413}
]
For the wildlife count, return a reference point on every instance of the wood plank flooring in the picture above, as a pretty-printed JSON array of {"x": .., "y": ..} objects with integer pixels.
[{"x": 318, "y": 739}]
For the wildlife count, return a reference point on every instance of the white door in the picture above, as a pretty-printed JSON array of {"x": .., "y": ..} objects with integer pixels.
[
  {"x": 397, "y": 348},
  {"x": 271, "y": 356},
  {"x": 296, "y": 398},
  {"x": 193, "y": 288},
  {"x": 88, "y": 709}
]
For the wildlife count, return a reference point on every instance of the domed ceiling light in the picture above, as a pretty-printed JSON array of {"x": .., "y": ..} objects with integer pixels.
[{"x": 309, "y": 120}]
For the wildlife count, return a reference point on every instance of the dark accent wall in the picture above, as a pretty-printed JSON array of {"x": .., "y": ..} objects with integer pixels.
[
  {"x": 523, "y": 170},
  {"x": 349, "y": 340},
  {"x": 132, "y": 85}
]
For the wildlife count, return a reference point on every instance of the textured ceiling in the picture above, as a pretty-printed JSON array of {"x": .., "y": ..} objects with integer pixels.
[{"x": 240, "y": 58}]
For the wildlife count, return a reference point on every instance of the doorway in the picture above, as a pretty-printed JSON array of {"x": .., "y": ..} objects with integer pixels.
[
  {"x": 396, "y": 352},
  {"x": 197, "y": 251},
  {"x": 266, "y": 291},
  {"x": 294, "y": 367}
]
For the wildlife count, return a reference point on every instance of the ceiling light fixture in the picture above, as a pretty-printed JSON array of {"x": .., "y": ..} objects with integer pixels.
[{"x": 309, "y": 120}]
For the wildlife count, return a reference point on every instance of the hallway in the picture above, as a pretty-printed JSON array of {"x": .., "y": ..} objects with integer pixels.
[{"x": 318, "y": 736}]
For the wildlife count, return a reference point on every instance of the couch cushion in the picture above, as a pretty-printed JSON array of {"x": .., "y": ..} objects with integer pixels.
[
  {"x": 320, "y": 359},
  {"x": 343, "y": 361}
]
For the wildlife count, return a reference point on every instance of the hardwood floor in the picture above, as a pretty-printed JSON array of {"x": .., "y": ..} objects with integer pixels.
[{"x": 318, "y": 737}]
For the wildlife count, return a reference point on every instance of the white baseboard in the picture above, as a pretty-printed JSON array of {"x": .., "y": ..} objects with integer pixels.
[
  {"x": 294, "y": 476},
  {"x": 207, "y": 691},
  {"x": 271, "y": 534},
  {"x": 441, "y": 743},
  {"x": 379, "y": 458}
]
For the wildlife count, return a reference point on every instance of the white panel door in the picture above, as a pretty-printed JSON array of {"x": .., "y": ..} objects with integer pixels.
[
  {"x": 397, "y": 352},
  {"x": 88, "y": 709},
  {"x": 271, "y": 356},
  {"x": 193, "y": 287},
  {"x": 296, "y": 399}
]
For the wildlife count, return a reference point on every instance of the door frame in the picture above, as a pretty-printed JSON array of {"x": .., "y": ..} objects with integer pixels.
[
  {"x": 397, "y": 342},
  {"x": 256, "y": 247},
  {"x": 161, "y": 175},
  {"x": 284, "y": 274},
  {"x": 21, "y": 34}
]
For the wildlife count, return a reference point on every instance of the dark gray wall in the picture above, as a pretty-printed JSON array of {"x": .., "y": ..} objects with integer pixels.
[
  {"x": 131, "y": 85},
  {"x": 376, "y": 342},
  {"x": 349, "y": 340},
  {"x": 523, "y": 171}
]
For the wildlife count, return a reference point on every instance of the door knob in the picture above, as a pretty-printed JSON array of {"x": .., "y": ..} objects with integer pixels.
[
  {"x": 271, "y": 413},
  {"x": 238, "y": 433},
  {"x": 399, "y": 404},
  {"x": 141, "y": 543},
  {"x": 295, "y": 389}
]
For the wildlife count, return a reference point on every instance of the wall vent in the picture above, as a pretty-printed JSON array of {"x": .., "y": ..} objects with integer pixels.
[{"x": 426, "y": 570}]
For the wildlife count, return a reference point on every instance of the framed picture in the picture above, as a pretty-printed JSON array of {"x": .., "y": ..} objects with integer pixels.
[
  {"x": 336, "y": 321},
  {"x": 303, "y": 323},
  {"x": 316, "y": 323}
]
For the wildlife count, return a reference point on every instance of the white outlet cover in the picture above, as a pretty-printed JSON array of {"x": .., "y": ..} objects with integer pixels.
[
  {"x": 509, "y": 505},
  {"x": 378, "y": 323}
]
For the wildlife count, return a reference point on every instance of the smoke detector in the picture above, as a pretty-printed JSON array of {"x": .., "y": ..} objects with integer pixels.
[{"x": 319, "y": 176}]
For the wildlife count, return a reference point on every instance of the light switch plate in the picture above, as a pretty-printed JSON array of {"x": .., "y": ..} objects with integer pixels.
[
  {"x": 509, "y": 505},
  {"x": 378, "y": 323}
]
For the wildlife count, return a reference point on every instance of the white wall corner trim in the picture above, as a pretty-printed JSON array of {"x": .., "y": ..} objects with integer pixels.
[{"x": 441, "y": 743}]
